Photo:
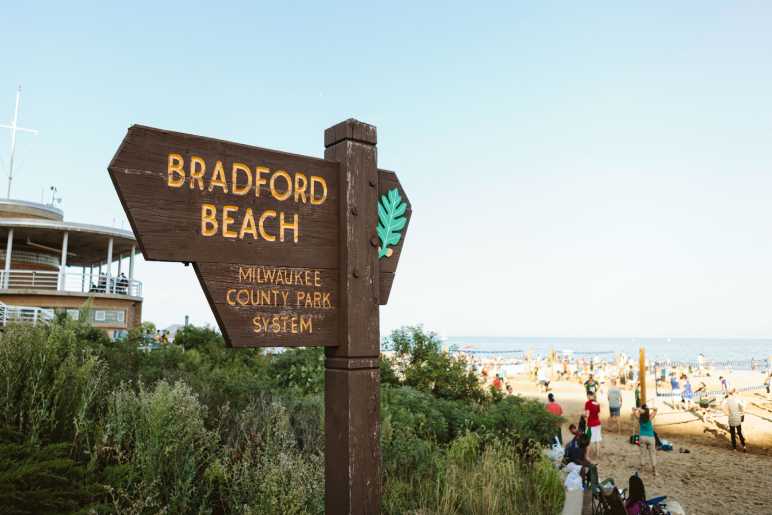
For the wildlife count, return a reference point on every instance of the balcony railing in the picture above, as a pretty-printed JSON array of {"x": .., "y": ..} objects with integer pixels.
[
  {"x": 24, "y": 314},
  {"x": 36, "y": 258},
  {"x": 76, "y": 282}
]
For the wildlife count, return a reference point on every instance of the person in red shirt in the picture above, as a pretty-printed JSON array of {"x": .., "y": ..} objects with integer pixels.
[
  {"x": 592, "y": 413},
  {"x": 497, "y": 382},
  {"x": 554, "y": 408}
]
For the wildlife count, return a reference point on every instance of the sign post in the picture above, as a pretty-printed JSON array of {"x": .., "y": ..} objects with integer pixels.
[
  {"x": 290, "y": 251},
  {"x": 642, "y": 373}
]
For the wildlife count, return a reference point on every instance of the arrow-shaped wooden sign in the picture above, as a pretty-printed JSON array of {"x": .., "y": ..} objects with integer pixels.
[{"x": 261, "y": 228}]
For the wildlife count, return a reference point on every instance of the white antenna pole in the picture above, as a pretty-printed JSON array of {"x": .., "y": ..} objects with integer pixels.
[
  {"x": 14, "y": 129},
  {"x": 13, "y": 138}
]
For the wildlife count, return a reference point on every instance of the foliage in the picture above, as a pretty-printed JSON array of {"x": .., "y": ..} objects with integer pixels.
[
  {"x": 161, "y": 447},
  {"x": 50, "y": 383},
  {"x": 423, "y": 365},
  {"x": 263, "y": 468},
  {"x": 195, "y": 427},
  {"x": 43, "y": 479},
  {"x": 493, "y": 479},
  {"x": 299, "y": 370}
]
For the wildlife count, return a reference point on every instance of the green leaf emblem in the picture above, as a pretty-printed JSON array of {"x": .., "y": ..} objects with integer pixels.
[{"x": 391, "y": 221}]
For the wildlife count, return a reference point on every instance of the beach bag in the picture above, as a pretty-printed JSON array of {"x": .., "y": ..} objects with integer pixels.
[
  {"x": 635, "y": 439},
  {"x": 556, "y": 452},
  {"x": 673, "y": 508},
  {"x": 573, "y": 479},
  {"x": 665, "y": 445}
]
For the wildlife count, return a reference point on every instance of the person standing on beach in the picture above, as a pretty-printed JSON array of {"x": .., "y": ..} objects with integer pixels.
[
  {"x": 615, "y": 404},
  {"x": 735, "y": 408},
  {"x": 555, "y": 408},
  {"x": 591, "y": 385},
  {"x": 543, "y": 377},
  {"x": 768, "y": 381},
  {"x": 725, "y": 384},
  {"x": 592, "y": 412},
  {"x": 646, "y": 440},
  {"x": 675, "y": 390},
  {"x": 687, "y": 394}
]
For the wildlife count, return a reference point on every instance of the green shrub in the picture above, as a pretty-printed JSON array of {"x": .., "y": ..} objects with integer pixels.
[
  {"x": 262, "y": 470},
  {"x": 422, "y": 364},
  {"x": 520, "y": 421},
  {"x": 51, "y": 383},
  {"x": 193, "y": 337},
  {"x": 493, "y": 479},
  {"x": 40, "y": 480},
  {"x": 299, "y": 370},
  {"x": 161, "y": 447}
]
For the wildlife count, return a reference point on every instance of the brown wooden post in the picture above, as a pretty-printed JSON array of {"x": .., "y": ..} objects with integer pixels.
[
  {"x": 352, "y": 379},
  {"x": 642, "y": 373}
]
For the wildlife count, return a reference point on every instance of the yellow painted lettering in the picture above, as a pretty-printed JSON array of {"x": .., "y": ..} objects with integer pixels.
[
  {"x": 197, "y": 170},
  {"x": 257, "y": 325},
  {"x": 301, "y": 183},
  {"x": 248, "y": 225},
  {"x": 259, "y": 181},
  {"x": 322, "y": 196},
  {"x": 218, "y": 178},
  {"x": 306, "y": 324},
  {"x": 227, "y": 220},
  {"x": 240, "y": 190},
  {"x": 175, "y": 171},
  {"x": 246, "y": 276},
  {"x": 283, "y": 225},
  {"x": 275, "y": 191},
  {"x": 208, "y": 220},
  {"x": 270, "y": 213}
]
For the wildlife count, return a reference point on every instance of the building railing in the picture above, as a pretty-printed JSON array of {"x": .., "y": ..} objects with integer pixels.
[
  {"x": 24, "y": 314},
  {"x": 77, "y": 282},
  {"x": 35, "y": 258}
]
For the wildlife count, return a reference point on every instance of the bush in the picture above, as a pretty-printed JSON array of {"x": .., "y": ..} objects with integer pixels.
[
  {"x": 493, "y": 479},
  {"x": 159, "y": 449},
  {"x": 422, "y": 364},
  {"x": 262, "y": 469},
  {"x": 195, "y": 427},
  {"x": 52, "y": 383},
  {"x": 520, "y": 421},
  {"x": 39, "y": 480},
  {"x": 298, "y": 370}
]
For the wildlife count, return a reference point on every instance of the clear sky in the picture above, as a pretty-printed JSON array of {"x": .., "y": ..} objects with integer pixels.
[{"x": 575, "y": 169}]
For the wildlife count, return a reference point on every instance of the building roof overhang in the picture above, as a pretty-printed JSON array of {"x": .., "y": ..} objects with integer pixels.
[{"x": 87, "y": 244}]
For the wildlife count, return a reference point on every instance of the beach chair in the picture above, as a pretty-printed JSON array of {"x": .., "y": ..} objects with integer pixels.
[{"x": 606, "y": 499}]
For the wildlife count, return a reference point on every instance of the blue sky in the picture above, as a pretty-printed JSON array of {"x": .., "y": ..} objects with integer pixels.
[{"x": 575, "y": 170}]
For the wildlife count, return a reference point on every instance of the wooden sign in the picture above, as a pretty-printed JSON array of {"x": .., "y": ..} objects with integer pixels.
[
  {"x": 260, "y": 227},
  {"x": 290, "y": 251}
]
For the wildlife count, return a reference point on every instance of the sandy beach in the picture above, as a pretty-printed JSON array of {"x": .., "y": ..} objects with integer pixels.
[{"x": 711, "y": 478}]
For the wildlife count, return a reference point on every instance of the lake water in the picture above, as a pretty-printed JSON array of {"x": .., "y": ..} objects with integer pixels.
[{"x": 677, "y": 349}]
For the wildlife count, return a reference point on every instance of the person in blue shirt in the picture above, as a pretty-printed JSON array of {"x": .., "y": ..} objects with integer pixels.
[
  {"x": 687, "y": 394},
  {"x": 675, "y": 390}
]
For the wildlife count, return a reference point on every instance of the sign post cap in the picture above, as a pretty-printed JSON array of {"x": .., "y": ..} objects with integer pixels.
[{"x": 352, "y": 130}]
